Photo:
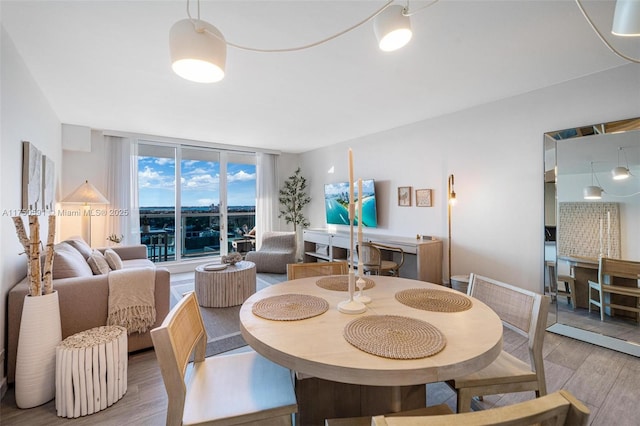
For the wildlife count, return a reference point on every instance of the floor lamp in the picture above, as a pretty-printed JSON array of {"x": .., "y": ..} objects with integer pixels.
[
  {"x": 451, "y": 196},
  {"x": 87, "y": 195}
]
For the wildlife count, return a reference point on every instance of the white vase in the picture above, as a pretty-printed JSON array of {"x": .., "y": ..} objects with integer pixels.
[{"x": 40, "y": 333}]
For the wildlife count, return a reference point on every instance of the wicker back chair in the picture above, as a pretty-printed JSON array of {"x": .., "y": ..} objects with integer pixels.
[
  {"x": 242, "y": 388},
  {"x": 316, "y": 269},
  {"x": 373, "y": 262},
  {"x": 276, "y": 251},
  {"x": 524, "y": 312}
]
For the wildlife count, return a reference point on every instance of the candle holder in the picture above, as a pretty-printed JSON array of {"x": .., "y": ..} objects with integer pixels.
[{"x": 351, "y": 306}]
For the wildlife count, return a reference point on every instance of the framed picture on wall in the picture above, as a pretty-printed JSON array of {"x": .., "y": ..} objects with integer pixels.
[
  {"x": 31, "y": 177},
  {"x": 404, "y": 196},
  {"x": 423, "y": 197}
]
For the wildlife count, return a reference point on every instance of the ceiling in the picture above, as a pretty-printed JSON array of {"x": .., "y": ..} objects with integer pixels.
[{"x": 105, "y": 64}]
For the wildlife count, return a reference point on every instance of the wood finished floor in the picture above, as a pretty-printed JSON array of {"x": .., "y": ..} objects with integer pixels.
[{"x": 606, "y": 381}]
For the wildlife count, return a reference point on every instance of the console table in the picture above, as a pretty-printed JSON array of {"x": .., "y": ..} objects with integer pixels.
[{"x": 423, "y": 257}]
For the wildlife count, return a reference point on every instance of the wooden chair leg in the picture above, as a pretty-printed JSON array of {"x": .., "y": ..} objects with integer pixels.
[{"x": 463, "y": 404}]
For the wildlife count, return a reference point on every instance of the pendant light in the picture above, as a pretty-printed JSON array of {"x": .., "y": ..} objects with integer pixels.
[
  {"x": 592, "y": 192},
  {"x": 392, "y": 28},
  {"x": 620, "y": 172},
  {"x": 198, "y": 51},
  {"x": 626, "y": 18}
]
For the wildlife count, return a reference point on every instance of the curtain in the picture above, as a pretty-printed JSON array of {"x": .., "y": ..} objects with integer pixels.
[
  {"x": 121, "y": 189},
  {"x": 267, "y": 194}
]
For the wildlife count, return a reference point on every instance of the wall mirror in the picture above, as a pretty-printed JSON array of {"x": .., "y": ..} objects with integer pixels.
[{"x": 579, "y": 231}]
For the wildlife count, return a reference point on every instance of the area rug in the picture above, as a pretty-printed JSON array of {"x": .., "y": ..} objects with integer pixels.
[{"x": 222, "y": 324}]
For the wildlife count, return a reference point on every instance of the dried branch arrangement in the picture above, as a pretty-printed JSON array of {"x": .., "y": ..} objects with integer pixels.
[{"x": 40, "y": 280}]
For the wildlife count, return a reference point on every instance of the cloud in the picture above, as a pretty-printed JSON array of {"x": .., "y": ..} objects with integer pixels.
[{"x": 240, "y": 176}]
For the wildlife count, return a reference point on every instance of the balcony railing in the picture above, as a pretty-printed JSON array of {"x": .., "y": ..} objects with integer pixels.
[{"x": 200, "y": 233}]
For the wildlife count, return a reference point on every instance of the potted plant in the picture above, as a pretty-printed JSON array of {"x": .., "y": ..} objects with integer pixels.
[
  {"x": 146, "y": 226},
  {"x": 40, "y": 329},
  {"x": 293, "y": 198}
]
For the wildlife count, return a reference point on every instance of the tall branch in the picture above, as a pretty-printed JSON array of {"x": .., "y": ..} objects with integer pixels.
[
  {"x": 34, "y": 257},
  {"x": 48, "y": 261}
]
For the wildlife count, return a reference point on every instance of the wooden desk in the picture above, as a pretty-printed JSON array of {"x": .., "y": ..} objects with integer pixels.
[
  {"x": 316, "y": 346},
  {"x": 583, "y": 269}
]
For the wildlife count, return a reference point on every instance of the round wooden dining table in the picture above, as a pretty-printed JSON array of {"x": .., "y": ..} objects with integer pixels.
[{"x": 317, "y": 347}]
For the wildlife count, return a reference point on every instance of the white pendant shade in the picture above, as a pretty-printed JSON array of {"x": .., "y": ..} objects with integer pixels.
[
  {"x": 626, "y": 18},
  {"x": 392, "y": 28},
  {"x": 592, "y": 192},
  {"x": 197, "y": 55},
  {"x": 620, "y": 173}
]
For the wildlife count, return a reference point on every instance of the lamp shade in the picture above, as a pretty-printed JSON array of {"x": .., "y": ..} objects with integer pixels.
[
  {"x": 392, "y": 28},
  {"x": 620, "y": 173},
  {"x": 86, "y": 194},
  {"x": 198, "y": 51},
  {"x": 592, "y": 192},
  {"x": 626, "y": 18}
]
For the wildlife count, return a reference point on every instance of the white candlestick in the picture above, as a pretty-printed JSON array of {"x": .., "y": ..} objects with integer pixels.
[
  {"x": 351, "y": 306},
  {"x": 359, "y": 211}
]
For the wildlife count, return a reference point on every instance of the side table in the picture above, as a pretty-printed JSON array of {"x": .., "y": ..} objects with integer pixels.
[
  {"x": 226, "y": 287},
  {"x": 460, "y": 283},
  {"x": 91, "y": 371}
]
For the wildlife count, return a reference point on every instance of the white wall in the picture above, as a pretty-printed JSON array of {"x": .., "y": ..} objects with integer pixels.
[
  {"x": 496, "y": 153},
  {"x": 26, "y": 116}
]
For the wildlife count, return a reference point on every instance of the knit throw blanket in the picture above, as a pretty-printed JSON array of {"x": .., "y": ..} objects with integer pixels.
[{"x": 131, "y": 301}]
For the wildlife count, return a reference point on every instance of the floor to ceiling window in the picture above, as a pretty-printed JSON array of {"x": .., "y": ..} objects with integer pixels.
[{"x": 213, "y": 185}]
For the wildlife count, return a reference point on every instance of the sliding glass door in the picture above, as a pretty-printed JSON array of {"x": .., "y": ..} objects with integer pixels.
[{"x": 216, "y": 196}]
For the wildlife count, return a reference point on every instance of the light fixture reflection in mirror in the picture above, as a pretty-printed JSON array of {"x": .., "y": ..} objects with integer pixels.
[{"x": 571, "y": 157}]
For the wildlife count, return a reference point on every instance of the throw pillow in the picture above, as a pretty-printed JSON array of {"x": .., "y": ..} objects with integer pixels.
[
  {"x": 81, "y": 246},
  {"x": 113, "y": 259},
  {"x": 98, "y": 263},
  {"x": 69, "y": 263}
]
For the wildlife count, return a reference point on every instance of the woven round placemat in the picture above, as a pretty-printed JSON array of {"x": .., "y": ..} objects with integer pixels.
[
  {"x": 393, "y": 336},
  {"x": 434, "y": 300},
  {"x": 341, "y": 283},
  {"x": 290, "y": 307}
]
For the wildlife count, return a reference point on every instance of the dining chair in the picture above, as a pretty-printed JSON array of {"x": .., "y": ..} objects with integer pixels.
[
  {"x": 241, "y": 388},
  {"x": 315, "y": 269},
  {"x": 558, "y": 408},
  {"x": 568, "y": 283},
  {"x": 610, "y": 271},
  {"x": 373, "y": 261},
  {"x": 524, "y": 312}
]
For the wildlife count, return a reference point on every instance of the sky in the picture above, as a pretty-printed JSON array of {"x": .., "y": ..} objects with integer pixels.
[{"x": 199, "y": 183}]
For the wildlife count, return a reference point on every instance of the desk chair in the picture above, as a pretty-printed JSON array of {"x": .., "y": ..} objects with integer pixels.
[
  {"x": 242, "y": 388},
  {"x": 372, "y": 261},
  {"x": 316, "y": 269},
  {"x": 524, "y": 312},
  {"x": 609, "y": 273},
  {"x": 569, "y": 284}
]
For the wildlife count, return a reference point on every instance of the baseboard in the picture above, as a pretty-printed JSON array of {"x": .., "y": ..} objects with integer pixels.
[{"x": 598, "y": 339}]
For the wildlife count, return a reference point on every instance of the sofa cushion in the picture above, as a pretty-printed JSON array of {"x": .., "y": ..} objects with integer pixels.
[
  {"x": 98, "y": 263},
  {"x": 113, "y": 259},
  {"x": 69, "y": 263},
  {"x": 81, "y": 246},
  {"x": 138, "y": 263}
]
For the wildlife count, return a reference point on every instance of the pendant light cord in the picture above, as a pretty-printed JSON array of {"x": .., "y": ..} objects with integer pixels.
[
  {"x": 594, "y": 175},
  {"x": 602, "y": 38},
  {"x": 310, "y": 45}
]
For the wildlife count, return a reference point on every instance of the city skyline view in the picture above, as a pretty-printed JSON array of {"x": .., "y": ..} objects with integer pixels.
[{"x": 200, "y": 183}]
